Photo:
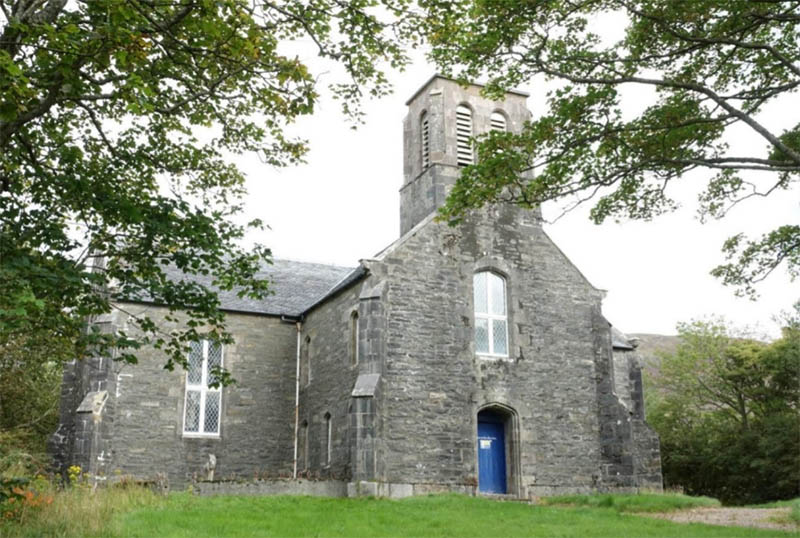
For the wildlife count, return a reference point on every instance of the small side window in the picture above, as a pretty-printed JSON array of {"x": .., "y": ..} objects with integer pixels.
[
  {"x": 328, "y": 438},
  {"x": 304, "y": 445},
  {"x": 354, "y": 339},
  {"x": 305, "y": 375}
]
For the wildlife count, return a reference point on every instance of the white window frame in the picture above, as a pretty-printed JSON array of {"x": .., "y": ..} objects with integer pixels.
[
  {"x": 491, "y": 318},
  {"x": 204, "y": 389}
]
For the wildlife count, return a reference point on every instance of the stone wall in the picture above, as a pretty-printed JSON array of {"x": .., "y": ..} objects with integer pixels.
[
  {"x": 84, "y": 434},
  {"x": 333, "y": 374},
  {"x": 314, "y": 488},
  {"x": 435, "y": 383},
  {"x": 630, "y": 447},
  {"x": 143, "y": 417}
]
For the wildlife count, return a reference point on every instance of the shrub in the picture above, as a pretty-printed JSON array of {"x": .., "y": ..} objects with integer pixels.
[{"x": 41, "y": 508}]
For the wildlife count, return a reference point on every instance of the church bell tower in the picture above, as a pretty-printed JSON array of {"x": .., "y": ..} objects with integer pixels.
[{"x": 442, "y": 118}]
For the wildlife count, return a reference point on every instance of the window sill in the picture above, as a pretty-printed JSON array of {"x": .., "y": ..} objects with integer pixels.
[
  {"x": 488, "y": 357},
  {"x": 201, "y": 435}
]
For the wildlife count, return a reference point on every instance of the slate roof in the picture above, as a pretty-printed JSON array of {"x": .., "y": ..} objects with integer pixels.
[
  {"x": 299, "y": 286},
  {"x": 619, "y": 340},
  {"x": 296, "y": 287}
]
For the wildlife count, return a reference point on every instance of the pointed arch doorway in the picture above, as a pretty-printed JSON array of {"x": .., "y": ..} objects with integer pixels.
[{"x": 496, "y": 453}]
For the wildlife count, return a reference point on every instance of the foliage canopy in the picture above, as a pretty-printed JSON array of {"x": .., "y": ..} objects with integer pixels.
[
  {"x": 727, "y": 410},
  {"x": 711, "y": 67},
  {"x": 30, "y": 382},
  {"x": 116, "y": 118}
]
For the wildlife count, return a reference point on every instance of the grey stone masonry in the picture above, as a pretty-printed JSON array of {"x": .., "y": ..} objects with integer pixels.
[
  {"x": 425, "y": 189},
  {"x": 142, "y": 425},
  {"x": 327, "y": 332},
  {"x": 435, "y": 383}
]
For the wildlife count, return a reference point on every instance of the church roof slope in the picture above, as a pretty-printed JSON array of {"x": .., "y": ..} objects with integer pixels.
[
  {"x": 295, "y": 286},
  {"x": 620, "y": 340}
]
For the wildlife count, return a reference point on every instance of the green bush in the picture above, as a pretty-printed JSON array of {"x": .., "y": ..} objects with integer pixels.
[{"x": 725, "y": 408}]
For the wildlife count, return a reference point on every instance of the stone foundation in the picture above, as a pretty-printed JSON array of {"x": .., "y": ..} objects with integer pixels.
[{"x": 390, "y": 490}]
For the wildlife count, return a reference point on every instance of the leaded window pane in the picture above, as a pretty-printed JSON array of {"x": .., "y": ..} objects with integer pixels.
[
  {"x": 499, "y": 337},
  {"x": 482, "y": 336},
  {"x": 211, "y": 424},
  {"x": 195, "y": 373},
  {"x": 498, "y": 297},
  {"x": 192, "y": 423},
  {"x": 202, "y": 410},
  {"x": 214, "y": 361},
  {"x": 479, "y": 291}
]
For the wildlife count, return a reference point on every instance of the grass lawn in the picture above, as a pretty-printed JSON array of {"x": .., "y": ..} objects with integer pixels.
[
  {"x": 449, "y": 515},
  {"x": 133, "y": 512}
]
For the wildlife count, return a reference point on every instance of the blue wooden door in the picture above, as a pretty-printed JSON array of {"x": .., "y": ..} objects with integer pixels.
[{"x": 491, "y": 457}]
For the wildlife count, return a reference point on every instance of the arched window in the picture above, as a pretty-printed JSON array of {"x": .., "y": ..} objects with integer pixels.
[
  {"x": 304, "y": 445},
  {"x": 463, "y": 135},
  {"x": 328, "y": 438},
  {"x": 426, "y": 141},
  {"x": 491, "y": 320},
  {"x": 497, "y": 122},
  {"x": 308, "y": 361},
  {"x": 354, "y": 339}
]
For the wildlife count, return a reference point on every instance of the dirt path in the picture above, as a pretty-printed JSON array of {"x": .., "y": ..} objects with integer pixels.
[{"x": 735, "y": 517}]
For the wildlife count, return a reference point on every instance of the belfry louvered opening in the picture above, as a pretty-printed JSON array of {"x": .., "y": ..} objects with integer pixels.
[
  {"x": 498, "y": 122},
  {"x": 463, "y": 135},
  {"x": 426, "y": 141}
]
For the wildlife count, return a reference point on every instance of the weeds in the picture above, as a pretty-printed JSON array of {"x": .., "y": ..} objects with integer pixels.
[
  {"x": 40, "y": 508},
  {"x": 644, "y": 502}
]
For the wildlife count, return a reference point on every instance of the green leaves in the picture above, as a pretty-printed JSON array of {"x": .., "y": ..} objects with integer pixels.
[
  {"x": 753, "y": 261},
  {"x": 692, "y": 73},
  {"x": 117, "y": 123},
  {"x": 725, "y": 408}
]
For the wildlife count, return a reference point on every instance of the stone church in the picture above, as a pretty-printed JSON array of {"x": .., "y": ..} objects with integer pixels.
[{"x": 472, "y": 359}]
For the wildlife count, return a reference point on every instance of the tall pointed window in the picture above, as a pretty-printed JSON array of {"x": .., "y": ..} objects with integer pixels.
[
  {"x": 307, "y": 370},
  {"x": 497, "y": 122},
  {"x": 304, "y": 446},
  {"x": 464, "y": 135},
  {"x": 328, "y": 438},
  {"x": 354, "y": 339},
  {"x": 426, "y": 141},
  {"x": 203, "y": 403},
  {"x": 491, "y": 320}
]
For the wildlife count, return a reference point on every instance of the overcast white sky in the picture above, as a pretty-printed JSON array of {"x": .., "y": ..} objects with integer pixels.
[{"x": 343, "y": 205}]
